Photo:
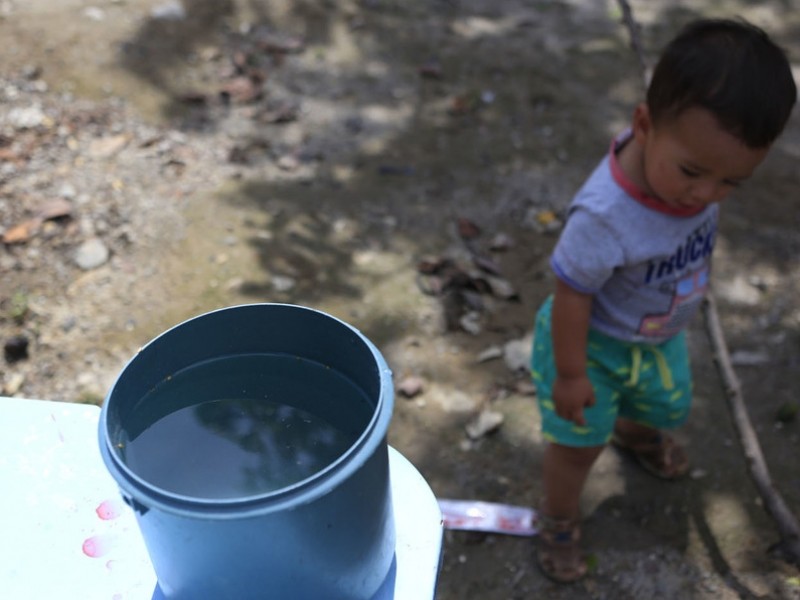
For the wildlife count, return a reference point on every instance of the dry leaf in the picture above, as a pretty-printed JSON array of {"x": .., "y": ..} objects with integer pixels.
[
  {"x": 107, "y": 147},
  {"x": 546, "y": 217},
  {"x": 281, "y": 44},
  {"x": 19, "y": 234},
  {"x": 467, "y": 229},
  {"x": 55, "y": 209},
  {"x": 242, "y": 90}
]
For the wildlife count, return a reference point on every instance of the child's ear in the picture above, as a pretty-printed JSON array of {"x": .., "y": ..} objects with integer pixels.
[{"x": 642, "y": 125}]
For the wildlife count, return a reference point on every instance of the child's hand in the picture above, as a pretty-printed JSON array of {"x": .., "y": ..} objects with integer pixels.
[{"x": 571, "y": 395}]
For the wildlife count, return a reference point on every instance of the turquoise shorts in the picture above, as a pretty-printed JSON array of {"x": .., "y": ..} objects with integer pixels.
[{"x": 649, "y": 384}]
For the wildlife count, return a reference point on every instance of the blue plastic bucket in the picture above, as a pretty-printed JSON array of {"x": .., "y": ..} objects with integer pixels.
[{"x": 220, "y": 531}]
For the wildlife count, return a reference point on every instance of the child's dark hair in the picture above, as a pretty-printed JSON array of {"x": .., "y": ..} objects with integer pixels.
[{"x": 730, "y": 68}]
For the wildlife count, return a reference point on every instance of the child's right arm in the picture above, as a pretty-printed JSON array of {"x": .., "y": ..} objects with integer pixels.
[{"x": 572, "y": 390}]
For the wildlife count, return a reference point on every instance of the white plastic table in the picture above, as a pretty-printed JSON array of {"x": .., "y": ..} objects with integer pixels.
[{"x": 68, "y": 535}]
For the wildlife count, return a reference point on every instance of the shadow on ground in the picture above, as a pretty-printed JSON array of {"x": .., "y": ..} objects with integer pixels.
[{"x": 414, "y": 115}]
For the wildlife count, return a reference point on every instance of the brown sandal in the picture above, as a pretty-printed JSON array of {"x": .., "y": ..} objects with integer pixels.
[
  {"x": 659, "y": 455},
  {"x": 559, "y": 553}
]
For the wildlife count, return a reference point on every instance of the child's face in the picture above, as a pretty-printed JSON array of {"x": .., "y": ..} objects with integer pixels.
[{"x": 689, "y": 161}]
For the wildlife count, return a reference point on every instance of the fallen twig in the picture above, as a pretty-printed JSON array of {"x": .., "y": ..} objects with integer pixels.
[
  {"x": 773, "y": 502},
  {"x": 636, "y": 39}
]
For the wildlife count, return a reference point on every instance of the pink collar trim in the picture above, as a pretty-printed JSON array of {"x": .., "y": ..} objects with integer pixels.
[{"x": 633, "y": 190}]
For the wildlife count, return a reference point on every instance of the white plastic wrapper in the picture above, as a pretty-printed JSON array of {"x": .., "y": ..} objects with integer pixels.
[{"x": 473, "y": 515}]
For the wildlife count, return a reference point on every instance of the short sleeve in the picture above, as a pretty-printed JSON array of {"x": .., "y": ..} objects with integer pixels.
[{"x": 587, "y": 252}]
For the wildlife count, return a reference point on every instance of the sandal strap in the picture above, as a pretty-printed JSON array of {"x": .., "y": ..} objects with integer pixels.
[
  {"x": 559, "y": 553},
  {"x": 559, "y": 530}
]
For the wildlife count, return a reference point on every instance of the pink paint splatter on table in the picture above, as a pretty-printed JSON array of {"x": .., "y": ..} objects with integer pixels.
[
  {"x": 97, "y": 546},
  {"x": 109, "y": 509}
]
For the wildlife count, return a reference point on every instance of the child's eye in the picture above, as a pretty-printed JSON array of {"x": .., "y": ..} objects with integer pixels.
[
  {"x": 689, "y": 172},
  {"x": 732, "y": 183}
]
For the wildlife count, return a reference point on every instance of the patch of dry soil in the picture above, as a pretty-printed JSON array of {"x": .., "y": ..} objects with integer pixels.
[{"x": 158, "y": 160}]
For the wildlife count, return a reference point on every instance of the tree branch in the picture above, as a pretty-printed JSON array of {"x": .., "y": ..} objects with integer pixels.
[
  {"x": 636, "y": 39},
  {"x": 773, "y": 502}
]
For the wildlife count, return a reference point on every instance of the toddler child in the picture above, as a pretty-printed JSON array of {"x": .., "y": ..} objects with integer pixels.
[{"x": 632, "y": 265}]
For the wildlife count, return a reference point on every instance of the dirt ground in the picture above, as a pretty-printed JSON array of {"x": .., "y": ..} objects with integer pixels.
[{"x": 403, "y": 166}]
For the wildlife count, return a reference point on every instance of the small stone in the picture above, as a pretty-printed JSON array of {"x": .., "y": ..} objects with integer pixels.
[
  {"x": 16, "y": 348},
  {"x": 698, "y": 473},
  {"x": 485, "y": 423},
  {"x": 526, "y": 387},
  {"x": 411, "y": 386},
  {"x": 91, "y": 254},
  {"x": 94, "y": 13},
  {"x": 758, "y": 282},
  {"x": 169, "y": 11},
  {"x": 234, "y": 284},
  {"x": 516, "y": 354},
  {"x": 745, "y": 358},
  {"x": 490, "y": 353},
  {"x": 282, "y": 283},
  {"x": 68, "y": 324},
  {"x": 471, "y": 322},
  {"x": 738, "y": 291},
  {"x": 502, "y": 288},
  {"x": 31, "y": 72},
  {"x": 501, "y": 242},
  {"x": 26, "y": 118},
  {"x": 288, "y": 162},
  {"x": 13, "y": 384},
  {"x": 452, "y": 401},
  {"x": 67, "y": 191}
]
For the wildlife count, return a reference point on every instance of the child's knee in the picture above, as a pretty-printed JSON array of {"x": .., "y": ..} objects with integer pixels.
[{"x": 575, "y": 457}]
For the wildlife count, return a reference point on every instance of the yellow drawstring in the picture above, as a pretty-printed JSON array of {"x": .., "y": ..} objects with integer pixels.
[
  {"x": 636, "y": 366},
  {"x": 661, "y": 364}
]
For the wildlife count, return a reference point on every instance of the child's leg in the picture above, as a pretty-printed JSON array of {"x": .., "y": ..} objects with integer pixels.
[
  {"x": 564, "y": 472},
  {"x": 559, "y": 551},
  {"x": 569, "y": 455}
]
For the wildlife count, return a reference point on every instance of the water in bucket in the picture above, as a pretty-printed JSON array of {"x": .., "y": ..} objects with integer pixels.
[{"x": 242, "y": 426}]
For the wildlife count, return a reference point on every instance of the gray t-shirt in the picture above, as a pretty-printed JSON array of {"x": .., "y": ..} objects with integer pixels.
[{"x": 647, "y": 268}]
